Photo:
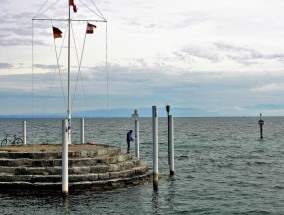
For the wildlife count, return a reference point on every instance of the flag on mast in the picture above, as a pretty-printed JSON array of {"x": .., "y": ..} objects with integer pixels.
[
  {"x": 57, "y": 33},
  {"x": 90, "y": 28},
  {"x": 71, "y": 3}
]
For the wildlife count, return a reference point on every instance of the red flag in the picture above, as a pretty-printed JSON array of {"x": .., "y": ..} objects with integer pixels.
[
  {"x": 57, "y": 33},
  {"x": 74, "y": 8},
  {"x": 90, "y": 28},
  {"x": 71, "y": 3}
]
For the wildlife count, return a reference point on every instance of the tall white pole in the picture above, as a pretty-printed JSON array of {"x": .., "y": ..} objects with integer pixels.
[
  {"x": 69, "y": 60},
  {"x": 65, "y": 157},
  {"x": 24, "y": 133},
  {"x": 82, "y": 130},
  {"x": 137, "y": 154},
  {"x": 172, "y": 151},
  {"x": 155, "y": 147}
]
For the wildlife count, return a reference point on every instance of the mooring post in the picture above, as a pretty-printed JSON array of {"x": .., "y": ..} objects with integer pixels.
[
  {"x": 135, "y": 117},
  {"x": 168, "y": 112},
  {"x": 155, "y": 147},
  {"x": 65, "y": 156},
  {"x": 172, "y": 151},
  {"x": 261, "y": 123},
  {"x": 82, "y": 130},
  {"x": 24, "y": 132}
]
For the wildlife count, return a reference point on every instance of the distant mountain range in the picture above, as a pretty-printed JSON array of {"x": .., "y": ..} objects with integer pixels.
[{"x": 120, "y": 112}]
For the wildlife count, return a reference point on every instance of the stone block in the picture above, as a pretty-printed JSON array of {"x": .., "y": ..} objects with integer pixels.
[
  {"x": 99, "y": 169},
  {"x": 7, "y": 169},
  {"x": 46, "y": 178},
  {"x": 114, "y": 175},
  {"x": 102, "y": 151},
  {"x": 80, "y": 170},
  {"x": 103, "y": 176},
  {"x": 124, "y": 157},
  {"x": 127, "y": 173},
  {"x": 116, "y": 167},
  {"x": 112, "y": 160},
  {"x": 128, "y": 164},
  {"x": 84, "y": 177}
]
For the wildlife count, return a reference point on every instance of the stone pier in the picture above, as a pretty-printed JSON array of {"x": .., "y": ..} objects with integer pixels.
[{"x": 93, "y": 167}]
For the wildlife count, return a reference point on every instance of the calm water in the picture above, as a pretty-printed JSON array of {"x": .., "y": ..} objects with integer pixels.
[{"x": 221, "y": 167}]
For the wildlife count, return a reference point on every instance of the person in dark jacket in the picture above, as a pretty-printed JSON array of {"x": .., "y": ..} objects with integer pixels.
[{"x": 128, "y": 139}]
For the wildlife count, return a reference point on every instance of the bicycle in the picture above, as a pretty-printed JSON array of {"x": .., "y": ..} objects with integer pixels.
[{"x": 15, "y": 142}]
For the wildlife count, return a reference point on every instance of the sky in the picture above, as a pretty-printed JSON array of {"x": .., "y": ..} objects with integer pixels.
[{"x": 223, "y": 57}]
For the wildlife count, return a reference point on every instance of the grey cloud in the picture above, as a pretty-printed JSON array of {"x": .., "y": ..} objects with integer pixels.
[
  {"x": 247, "y": 56},
  {"x": 5, "y": 66},
  {"x": 42, "y": 66},
  {"x": 200, "y": 53},
  {"x": 13, "y": 66}
]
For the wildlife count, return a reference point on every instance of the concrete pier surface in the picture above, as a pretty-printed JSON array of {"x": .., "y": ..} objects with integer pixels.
[{"x": 93, "y": 167}]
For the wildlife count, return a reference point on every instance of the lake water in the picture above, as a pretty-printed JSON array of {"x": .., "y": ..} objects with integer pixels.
[{"x": 221, "y": 167}]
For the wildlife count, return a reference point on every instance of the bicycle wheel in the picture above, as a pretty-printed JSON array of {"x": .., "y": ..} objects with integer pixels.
[
  {"x": 4, "y": 142},
  {"x": 18, "y": 142}
]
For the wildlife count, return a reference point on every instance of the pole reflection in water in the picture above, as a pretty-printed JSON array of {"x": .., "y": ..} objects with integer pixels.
[
  {"x": 66, "y": 204},
  {"x": 155, "y": 202},
  {"x": 170, "y": 196}
]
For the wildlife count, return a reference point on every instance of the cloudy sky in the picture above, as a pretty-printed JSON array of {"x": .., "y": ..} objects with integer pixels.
[{"x": 221, "y": 56}]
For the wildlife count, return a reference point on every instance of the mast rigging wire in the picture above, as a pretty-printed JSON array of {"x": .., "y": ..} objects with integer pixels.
[
  {"x": 59, "y": 71},
  {"x": 79, "y": 70}
]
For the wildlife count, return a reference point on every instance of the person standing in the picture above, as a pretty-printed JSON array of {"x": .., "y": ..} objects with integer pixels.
[{"x": 128, "y": 139}]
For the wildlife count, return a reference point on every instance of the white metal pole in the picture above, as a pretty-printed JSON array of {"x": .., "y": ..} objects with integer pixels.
[
  {"x": 155, "y": 147},
  {"x": 65, "y": 156},
  {"x": 82, "y": 130},
  {"x": 137, "y": 154},
  {"x": 69, "y": 62},
  {"x": 24, "y": 132},
  {"x": 172, "y": 151}
]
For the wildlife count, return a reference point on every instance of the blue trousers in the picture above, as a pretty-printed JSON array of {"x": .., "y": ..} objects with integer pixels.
[{"x": 128, "y": 146}]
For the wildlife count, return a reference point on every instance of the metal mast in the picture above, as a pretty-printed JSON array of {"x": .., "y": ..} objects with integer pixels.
[
  {"x": 69, "y": 107},
  {"x": 37, "y": 18}
]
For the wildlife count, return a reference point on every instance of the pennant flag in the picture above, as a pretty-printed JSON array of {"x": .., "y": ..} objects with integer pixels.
[
  {"x": 71, "y": 3},
  {"x": 90, "y": 28},
  {"x": 57, "y": 33}
]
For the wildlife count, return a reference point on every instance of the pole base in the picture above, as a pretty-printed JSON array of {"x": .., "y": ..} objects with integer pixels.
[
  {"x": 155, "y": 181},
  {"x": 155, "y": 185},
  {"x": 172, "y": 172}
]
